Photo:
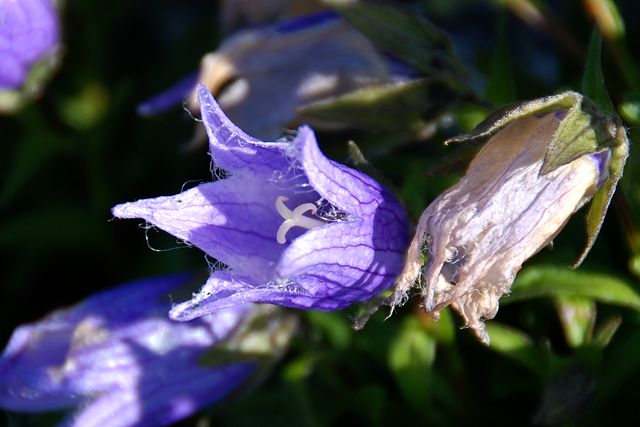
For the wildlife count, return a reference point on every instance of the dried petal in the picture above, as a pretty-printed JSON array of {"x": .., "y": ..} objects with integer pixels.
[{"x": 477, "y": 234}]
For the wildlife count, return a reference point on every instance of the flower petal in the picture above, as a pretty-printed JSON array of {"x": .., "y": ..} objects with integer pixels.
[
  {"x": 225, "y": 289},
  {"x": 234, "y": 150},
  {"x": 222, "y": 289},
  {"x": 176, "y": 94},
  {"x": 232, "y": 220},
  {"x": 32, "y": 366},
  {"x": 119, "y": 339},
  {"x": 348, "y": 189},
  {"x": 327, "y": 268},
  {"x": 340, "y": 264},
  {"x": 180, "y": 393}
]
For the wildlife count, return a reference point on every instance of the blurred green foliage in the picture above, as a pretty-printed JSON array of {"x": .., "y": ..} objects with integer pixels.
[{"x": 565, "y": 346}]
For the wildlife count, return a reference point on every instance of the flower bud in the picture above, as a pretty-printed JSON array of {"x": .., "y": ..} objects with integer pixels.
[{"x": 545, "y": 160}]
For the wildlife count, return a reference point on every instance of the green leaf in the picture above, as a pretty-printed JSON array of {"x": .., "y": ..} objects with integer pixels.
[
  {"x": 334, "y": 325},
  {"x": 500, "y": 89},
  {"x": 604, "y": 333},
  {"x": 411, "y": 356},
  {"x": 634, "y": 265},
  {"x": 300, "y": 368},
  {"x": 549, "y": 281},
  {"x": 593, "y": 84},
  {"x": 517, "y": 346},
  {"x": 577, "y": 317},
  {"x": 630, "y": 108},
  {"x": 609, "y": 18}
]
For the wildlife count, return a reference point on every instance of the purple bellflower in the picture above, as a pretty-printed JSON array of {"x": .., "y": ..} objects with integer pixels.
[
  {"x": 295, "y": 228},
  {"x": 29, "y": 32},
  {"x": 118, "y": 357},
  {"x": 294, "y": 64}
]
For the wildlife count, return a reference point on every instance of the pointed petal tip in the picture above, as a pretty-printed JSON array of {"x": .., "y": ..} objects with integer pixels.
[
  {"x": 183, "y": 312},
  {"x": 128, "y": 210},
  {"x": 306, "y": 135},
  {"x": 204, "y": 96}
]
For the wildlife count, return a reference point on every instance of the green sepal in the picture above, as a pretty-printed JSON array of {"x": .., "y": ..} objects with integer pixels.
[
  {"x": 602, "y": 198},
  {"x": 507, "y": 114},
  {"x": 385, "y": 107},
  {"x": 584, "y": 130},
  {"x": 408, "y": 36}
]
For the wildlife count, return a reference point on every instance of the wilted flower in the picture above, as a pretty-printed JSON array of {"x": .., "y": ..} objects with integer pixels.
[
  {"x": 545, "y": 160},
  {"x": 29, "y": 36},
  {"x": 119, "y": 358},
  {"x": 262, "y": 77},
  {"x": 295, "y": 228}
]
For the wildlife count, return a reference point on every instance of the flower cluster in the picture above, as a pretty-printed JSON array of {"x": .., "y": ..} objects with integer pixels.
[{"x": 290, "y": 227}]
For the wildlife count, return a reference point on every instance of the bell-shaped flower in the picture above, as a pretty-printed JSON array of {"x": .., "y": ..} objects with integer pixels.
[
  {"x": 119, "y": 359},
  {"x": 545, "y": 160},
  {"x": 293, "y": 64},
  {"x": 295, "y": 228},
  {"x": 29, "y": 40}
]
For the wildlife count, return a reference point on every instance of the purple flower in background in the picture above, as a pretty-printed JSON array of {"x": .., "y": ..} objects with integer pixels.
[
  {"x": 262, "y": 77},
  {"x": 28, "y": 33},
  {"x": 295, "y": 228},
  {"x": 119, "y": 358}
]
